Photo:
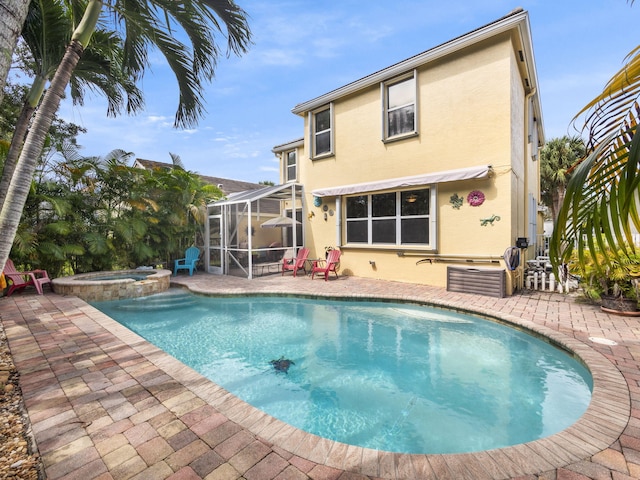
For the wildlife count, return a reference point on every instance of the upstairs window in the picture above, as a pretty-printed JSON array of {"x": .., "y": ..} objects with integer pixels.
[
  {"x": 400, "y": 106},
  {"x": 322, "y": 132},
  {"x": 292, "y": 166}
]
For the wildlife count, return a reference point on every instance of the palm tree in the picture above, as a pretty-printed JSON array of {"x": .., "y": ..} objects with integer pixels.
[
  {"x": 600, "y": 211},
  {"x": 46, "y": 31},
  {"x": 181, "y": 198},
  {"x": 556, "y": 158},
  {"x": 12, "y": 15},
  {"x": 144, "y": 23}
]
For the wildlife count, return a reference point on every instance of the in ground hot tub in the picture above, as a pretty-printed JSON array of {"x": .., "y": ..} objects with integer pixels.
[{"x": 113, "y": 285}]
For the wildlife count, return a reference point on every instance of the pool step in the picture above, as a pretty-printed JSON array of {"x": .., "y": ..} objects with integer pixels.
[{"x": 162, "y": 301}]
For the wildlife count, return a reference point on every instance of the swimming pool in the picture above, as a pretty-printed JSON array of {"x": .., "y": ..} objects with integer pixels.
[{"x": 387, "y": 376}]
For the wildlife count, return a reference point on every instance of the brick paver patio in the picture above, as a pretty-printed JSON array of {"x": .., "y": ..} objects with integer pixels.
[{"x": 105, "y": 404}]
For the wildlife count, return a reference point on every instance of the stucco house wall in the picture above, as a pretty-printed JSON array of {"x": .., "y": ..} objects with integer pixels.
[{"x": 476, "y": 106}]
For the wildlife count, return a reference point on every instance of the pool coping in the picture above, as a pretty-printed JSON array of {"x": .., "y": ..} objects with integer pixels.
[
  {"x": 86, "y": 287},
  {"x": 600, "y": 426}
]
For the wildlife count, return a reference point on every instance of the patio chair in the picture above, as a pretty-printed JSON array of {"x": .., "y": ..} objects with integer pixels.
[
  {"x": 512, "y": 261},
  {"x": 297, "y": 263},
  {"x": 326, "y": 266},
  {"x": 21, "y": 280},
  {"x": 191, "y": 257}
]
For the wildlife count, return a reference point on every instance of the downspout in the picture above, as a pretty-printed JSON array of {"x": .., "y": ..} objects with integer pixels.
[
  {"x": 527, "y": 116},
  {"x": 249, "y": 239},
  {"x": 207, "y": 242},
  {"x": 294, "y": 210},
  {"x": 303, "y": 216},
  {"x": 338, "y": 221}
]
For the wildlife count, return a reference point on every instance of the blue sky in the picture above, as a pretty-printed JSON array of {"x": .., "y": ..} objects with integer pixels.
[{"x": 304, "y": 49}]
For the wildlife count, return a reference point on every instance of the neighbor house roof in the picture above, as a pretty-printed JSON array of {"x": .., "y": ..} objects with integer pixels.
[
  {"x": 151, "y": 164},
  {"x": 227, "y": 185}
]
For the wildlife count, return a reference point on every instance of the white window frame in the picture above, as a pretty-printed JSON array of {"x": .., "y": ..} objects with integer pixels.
[
  {"x": 431, "y": 216},
  {"x": 287, "y": 167},
  {"x": 313, "y": 133},
  {"x": 384, "y": 93}
]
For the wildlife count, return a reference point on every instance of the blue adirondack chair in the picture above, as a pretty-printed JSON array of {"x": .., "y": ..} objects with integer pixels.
[{"x": 192, "y": 255}]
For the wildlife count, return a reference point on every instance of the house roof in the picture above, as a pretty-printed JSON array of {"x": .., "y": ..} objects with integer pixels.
[
  {"x": 227, "y": 185},
  {"x": 516, "y": 21},
  {"x": 151, "y": 164},
  {"x": 298, "y": 142}
]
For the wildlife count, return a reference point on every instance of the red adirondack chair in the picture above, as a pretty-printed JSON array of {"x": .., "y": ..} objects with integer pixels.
[
  {"x": 328, "y": 265},
  {"x": 20, "y": 280},
  {"x": 296, "y": 263}
]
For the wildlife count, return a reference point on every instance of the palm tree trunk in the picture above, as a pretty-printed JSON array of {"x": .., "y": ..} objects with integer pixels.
[
  {"x": 12, "y": 15},
  {"x": 19, "y": 133},
  {"x": 33, "y": 146},
  {"x": 557, "y": 197}
]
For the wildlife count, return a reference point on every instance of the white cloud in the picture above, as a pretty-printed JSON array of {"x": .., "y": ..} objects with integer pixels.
[
  {"x": 280, "y": 57},
  {"x": 157, "y": 119}
]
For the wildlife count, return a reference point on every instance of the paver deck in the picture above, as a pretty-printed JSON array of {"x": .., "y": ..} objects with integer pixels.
[{"x": 105, "y": 404}]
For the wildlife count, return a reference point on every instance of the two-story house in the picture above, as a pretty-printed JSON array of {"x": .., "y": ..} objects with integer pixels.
[{"x": 428, "y": 163}]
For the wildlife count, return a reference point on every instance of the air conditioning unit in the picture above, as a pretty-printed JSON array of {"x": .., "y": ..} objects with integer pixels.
[{"x": 481, "y": 281}]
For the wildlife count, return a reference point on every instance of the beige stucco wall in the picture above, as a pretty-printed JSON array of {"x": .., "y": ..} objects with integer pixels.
[{"x": 470, "y": 112}]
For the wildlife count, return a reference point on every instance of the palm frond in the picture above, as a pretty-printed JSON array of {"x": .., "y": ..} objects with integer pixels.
[
  {"x": 96, "y": 243},
  {"x": 602, "y": 197},
  {"x": 600, "y": 211},
  {"x": 100, "y": 70},
  {"x": 46, "y": 32},
  {"x": 157, "y": 22},
  {"x": 176, "y": 160},
  {"x": 235, "y": 20}
]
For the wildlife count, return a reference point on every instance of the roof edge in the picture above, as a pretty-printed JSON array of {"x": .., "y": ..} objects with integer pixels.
[
  {"x": 518, "y": 18},
  {"x": 299, "y": 142}
]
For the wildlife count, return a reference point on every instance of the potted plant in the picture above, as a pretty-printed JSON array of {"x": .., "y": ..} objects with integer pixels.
[{"x": 611, "y": 278}]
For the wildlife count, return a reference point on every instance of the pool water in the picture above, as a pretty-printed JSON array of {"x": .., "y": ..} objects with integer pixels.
[
  {"x": 388, "y": 376},
  {"x": 122, "y": 276}
]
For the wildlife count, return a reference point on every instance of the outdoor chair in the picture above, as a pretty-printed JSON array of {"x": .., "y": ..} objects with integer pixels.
[
  {"x": 297, "y": 263},
  {"x": 191, "y": 257},
  {"x": 326, "y": 266},
  {"x": 512, "y": 261},
  {"x": 21, "y": 280}
]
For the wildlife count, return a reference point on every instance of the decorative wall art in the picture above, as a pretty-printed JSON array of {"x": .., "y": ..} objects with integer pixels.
[
  {"x": 456, "y": 201},
  {"x": 475, "y": 198},
  {"x": 317, "y": 201},
  {"x": 489, "y": 221}
]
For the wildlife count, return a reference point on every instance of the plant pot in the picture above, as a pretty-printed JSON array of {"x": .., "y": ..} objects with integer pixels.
[{"x": 620, "y": 305}]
